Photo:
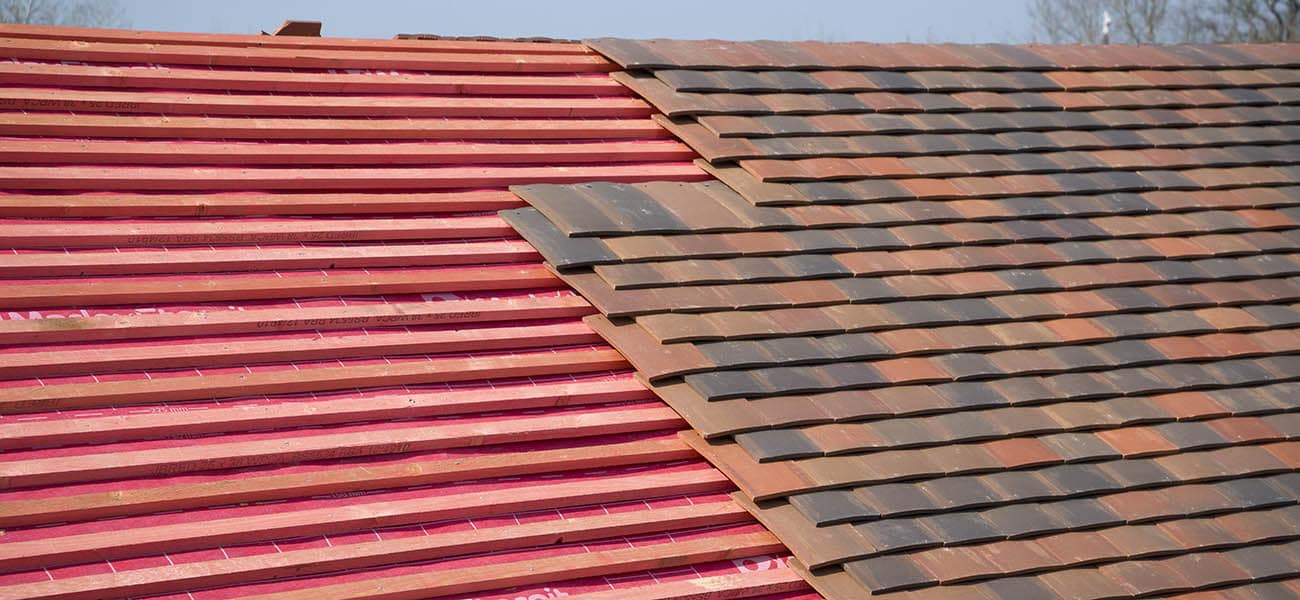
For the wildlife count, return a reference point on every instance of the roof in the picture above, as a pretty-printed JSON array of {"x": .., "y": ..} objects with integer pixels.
[
  {"x": 978, "y": 322},
  {"x": 262, "y": 332}
]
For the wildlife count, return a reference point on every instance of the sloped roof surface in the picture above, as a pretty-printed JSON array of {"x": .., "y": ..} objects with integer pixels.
[
  {"x": 972, "y": 322},
  {"x": 264, "y": 334}
]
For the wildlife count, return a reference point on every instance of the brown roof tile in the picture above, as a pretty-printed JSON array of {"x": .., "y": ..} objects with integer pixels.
[
  {"x": 1136, "y": 441},
  {"x": 1021, "y": 452},
  {"x": 1072, "y": 276}
]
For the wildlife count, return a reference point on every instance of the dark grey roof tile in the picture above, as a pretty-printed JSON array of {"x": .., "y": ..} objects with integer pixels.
[
  {"x": 897, "y": 535},
  {"x": 1078, "y": 479},
  {"x": 718, "y": 384},
  {"x": 897, "y": 499},
  {"x": 960, "y": 493},
  {"x": 790, "y": 380},
  {"x": 831, "y": 507},
  {"x": 1130, "y": 353},
  {"x": 851, "y": 375},
  {"x": 1238, "y": 372},
  {"x": 970, "y": 394},
  {"x": 1257, "y": 492},
  {"x": 1137, "y": 473},
  {"x": 966, "y": 365},
  {"x": 1017, "y": 588},
  {"x": 1190, "y": 435},
  {"x": 1082, "y": 513},
  {"x": 860, "y": 289},
  {"x": 1028, "y": 280},
  {"x": 1020, "y": 486},
  {"x": 961, "y": 528},
  {"x": 777, "y": 444},
  {"x": 1076, "y": 447},
  {"x": 1023, "y": 520},
  {"x": 1263, "y": 562}
]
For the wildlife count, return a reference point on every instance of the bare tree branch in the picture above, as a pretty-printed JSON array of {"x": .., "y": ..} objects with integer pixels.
[
  {"x": 71, "y": 13},
  {"x": 1166, "y": 21},
  {"x": 1072, "y": 22}
]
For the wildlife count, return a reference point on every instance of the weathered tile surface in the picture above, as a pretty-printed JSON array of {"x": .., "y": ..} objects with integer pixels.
[{"x": 973, "y": 321}]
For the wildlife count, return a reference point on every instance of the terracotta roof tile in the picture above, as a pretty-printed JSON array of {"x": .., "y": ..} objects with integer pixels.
[{"x": 1076, "y": 269}]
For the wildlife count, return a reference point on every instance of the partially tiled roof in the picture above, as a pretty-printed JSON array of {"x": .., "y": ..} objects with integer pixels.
[
  {"x": 264, "y": 334},
  {"x": 979, "y": 322}
]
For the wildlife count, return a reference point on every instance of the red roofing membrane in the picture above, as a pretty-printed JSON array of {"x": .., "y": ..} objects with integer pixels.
[{"x": 263, "y": 334}]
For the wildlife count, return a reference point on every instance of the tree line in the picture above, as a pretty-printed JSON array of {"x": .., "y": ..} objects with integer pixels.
[
  {"x": 1165, "y": 21},
  {"x": 70, "y": 13}
]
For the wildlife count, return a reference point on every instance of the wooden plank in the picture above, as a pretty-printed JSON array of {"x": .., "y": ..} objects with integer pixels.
[
  {"x": 218, "y": 322},
  {"x": 180, "y": 389},
  {"x": 227, "y": 104},
  {"x": 378, "y": 476},
  {"x": 59, "y": 234},
  {"x": 411, "y": 153},
  {"x": 343, "y": 408},
  {"x": 366, "y": 82},
  {"x": 537, "y": 571},
  {"x": 160, "y": 462},
  {"x": 216, "y": 353},
  {"x": 26, "y": 294},
  {"x": 179, "y": 537},
  {"x": 297, "y": 563},
  {"x": 209, "y": 179},
  {"x": 85, "y": 34},
  {"x": 264, "y": 259},
  {"x": 95, "y": 204},
  {"x": 301, "y": 58},
  {"x": 270, "y": 128},
  {"x": 773, "y": 580}
]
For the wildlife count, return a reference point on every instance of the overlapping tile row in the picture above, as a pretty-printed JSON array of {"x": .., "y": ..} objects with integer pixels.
[
  {"x": 821, "y": 56},
  {"x": 264, "y": 334},
  {"x": 869, "y": 124},
  {"x": 971, "y": 322}
]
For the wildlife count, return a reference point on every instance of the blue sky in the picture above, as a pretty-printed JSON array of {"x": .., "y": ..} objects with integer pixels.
[{"x": 830, "y": 20}]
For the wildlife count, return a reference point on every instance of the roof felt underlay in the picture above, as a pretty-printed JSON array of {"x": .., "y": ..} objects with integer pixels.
[
  {"x": 979, "y": 322},
  {"x": 265, "y": 335}
]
